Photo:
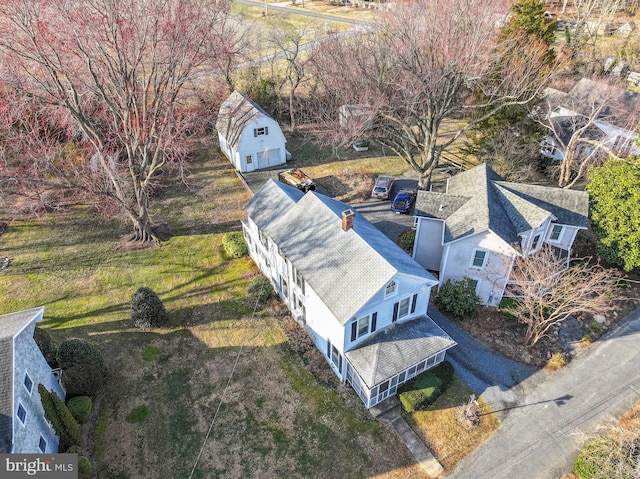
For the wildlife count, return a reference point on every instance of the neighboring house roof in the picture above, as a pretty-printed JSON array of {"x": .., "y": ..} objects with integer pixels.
[
  {"x": 618, "y": 104},
  {"x": 397, "y": 348},
  {"x": 345, "y": 268},
  {"x": 235, "y": 113},
  {"x": 565, "y": 127},
  {"x": 10, "y": 326},
  {"x": 480, "y": 200}
]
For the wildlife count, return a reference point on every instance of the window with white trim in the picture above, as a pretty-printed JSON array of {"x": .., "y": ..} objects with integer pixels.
[
  {"x": 556, "y": 232},
  {"x": 403, "y": 310},
  {"x": 284, "y": 286},
  {"x": 390, "y": 289},
  {"x": 22, "y": 414},
  {"x": 475, "y": 282},
  {"x": 479, "y": 258},
  {"x": 28, "y": 383},
  {"x": 42, "y": 445},
  {"x": 299, "y": 280},
  {"x": 363, "y": 326},
  {"x": 261, "y": 131},
  {"x": 334, "y": 355},
  {"x": 249, "y": 159}
]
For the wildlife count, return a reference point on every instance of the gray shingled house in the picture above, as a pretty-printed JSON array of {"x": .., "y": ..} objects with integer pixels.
[
  {"x": 23, "y": 427},
  {"x": 248, "y": 136},
  {"x": 478, "y": 227},
  {"x": 361, "y": 299}
]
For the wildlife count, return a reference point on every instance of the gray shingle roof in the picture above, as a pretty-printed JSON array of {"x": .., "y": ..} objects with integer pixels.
[
  {"x": 619, "y": 103},
  {"x": 235, "y": 113},
  {"x": 396, "y": 348},
  {"x": 345, "y": 268},
  {"x": 10, "y": 325},
  {"x": 479, "y": 200}
]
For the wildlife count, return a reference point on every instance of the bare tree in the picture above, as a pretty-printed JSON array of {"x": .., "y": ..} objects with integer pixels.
[
  {"x": 294, "y": 46},
  {"x": 548, "y": 292},
  {"x": 118, "y": 74},
  {"x": 423, "y": 64},
  {"x": 581, "y": 127}
]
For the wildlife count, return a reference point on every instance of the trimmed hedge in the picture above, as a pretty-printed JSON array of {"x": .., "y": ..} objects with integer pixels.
[
  {"x": 76, "y": 351},
  {"x": 445, "y": 372},
  {"x": 84, "y": 465},
  {"x": 80, "y": 407},
  {"x": 458, "y": 298},
  {"x": 59, "y": 416},
  {"x": 420, "y": 391},
  {"x": 147, "y": 309},
  {"x": 234, "y": 244},
  {"x": 46, "y": 345},
  {"x": 82, "y": 380}
]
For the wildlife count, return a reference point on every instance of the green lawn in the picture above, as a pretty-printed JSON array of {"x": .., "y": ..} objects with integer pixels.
[{"x": 215, "y": 367}]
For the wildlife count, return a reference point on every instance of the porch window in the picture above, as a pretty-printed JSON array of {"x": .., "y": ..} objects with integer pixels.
[
  {"x": 479, "y": 258},
  {"x": 556, "y": 232}
]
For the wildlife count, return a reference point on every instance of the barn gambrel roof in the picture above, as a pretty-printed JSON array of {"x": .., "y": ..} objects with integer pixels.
[{"x": 235, "y": 113}]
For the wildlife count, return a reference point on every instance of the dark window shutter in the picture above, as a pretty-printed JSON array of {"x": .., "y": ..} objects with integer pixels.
[
  {"x": 395, "y": 312},
  {"x": 266, "y": 130},
  {"x": 374, "y": 319},
  {"x": 340, "y": 363},
  {"x": 328, "y": 349},
  {"x": 354, "y": 330},
  {"x": 255, "y": 132},
  {"x": 413, "y": 303}
]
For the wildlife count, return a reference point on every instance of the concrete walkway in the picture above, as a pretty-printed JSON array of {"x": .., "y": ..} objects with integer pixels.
[
  {"x": 542, "y": 433},
  {"x": 389, "y": 411}
]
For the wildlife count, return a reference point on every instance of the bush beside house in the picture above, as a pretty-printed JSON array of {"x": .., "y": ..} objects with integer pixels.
[
  {"x": 234, "y": 244},
  {"x": 458, "y": 298}
]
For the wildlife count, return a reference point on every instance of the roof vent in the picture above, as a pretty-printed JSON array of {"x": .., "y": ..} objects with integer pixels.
[{"x": 347, "y": 219}]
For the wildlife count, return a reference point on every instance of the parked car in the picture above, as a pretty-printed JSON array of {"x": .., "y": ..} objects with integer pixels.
[
  {"x": 298, "y": 179},
  {"x": 382, "y": 187},
  {"x": 404, "y": 201}
]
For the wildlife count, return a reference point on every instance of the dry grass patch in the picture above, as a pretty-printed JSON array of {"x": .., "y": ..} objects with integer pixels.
[{"x": 439, "y": 429}]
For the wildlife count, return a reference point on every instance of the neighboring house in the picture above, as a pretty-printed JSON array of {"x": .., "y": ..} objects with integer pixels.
[
  {"x": 362, "y": 300},
  {"x": 248, "y": 136},
  {"x": 602, "y": 112},
  {"x": 477, "y": 228},
  {"x": 23, "y": 427}
]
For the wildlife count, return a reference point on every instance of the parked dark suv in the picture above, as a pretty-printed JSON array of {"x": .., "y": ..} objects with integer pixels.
[
  {"x": 298, "y": 179},
  {"x": 382, "y": 187}
]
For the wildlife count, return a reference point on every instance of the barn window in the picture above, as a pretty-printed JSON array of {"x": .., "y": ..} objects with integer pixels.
[
  {"x": 260, "y": 131},
  {"x": 249, "y": 159}
]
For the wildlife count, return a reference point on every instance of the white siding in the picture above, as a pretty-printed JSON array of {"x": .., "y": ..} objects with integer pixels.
[
  {"x": 567, "y": 236},
  {"x": 273, "y": 142},
  {"x": 492, "y": 277},
  {"x": 427, "y": 250}
]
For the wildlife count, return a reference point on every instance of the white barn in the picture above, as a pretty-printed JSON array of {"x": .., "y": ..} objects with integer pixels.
[
  {"x": 249, "y": 137},
  {"x": 362, "y": 300}
]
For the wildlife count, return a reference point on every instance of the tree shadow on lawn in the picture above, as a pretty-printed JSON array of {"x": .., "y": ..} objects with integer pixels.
[{"x": 267, "y": 420}]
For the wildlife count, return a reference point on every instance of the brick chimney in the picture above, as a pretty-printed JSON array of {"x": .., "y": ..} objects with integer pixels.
[{"x": 347, "y": 219}]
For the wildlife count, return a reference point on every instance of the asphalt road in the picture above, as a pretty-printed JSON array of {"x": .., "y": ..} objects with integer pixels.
[{"x": 541, "y": 435}]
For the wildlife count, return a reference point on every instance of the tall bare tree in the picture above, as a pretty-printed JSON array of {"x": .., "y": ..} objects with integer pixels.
[
  {"x": 294, "y": 46},
  {"x": 119, "y": 76},
  {"x": 422, "y": 64},
  {"x": 548, "y": 292}
]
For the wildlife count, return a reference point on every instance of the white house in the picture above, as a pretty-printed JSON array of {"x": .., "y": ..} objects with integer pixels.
[
  {"x": 477, "y": 228},
  {"x": 599, "y": 112},
  {"x": 248, "y": 136},
  {"x": 23, "y": 426},
  {"x": 361, "y": 299}
]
